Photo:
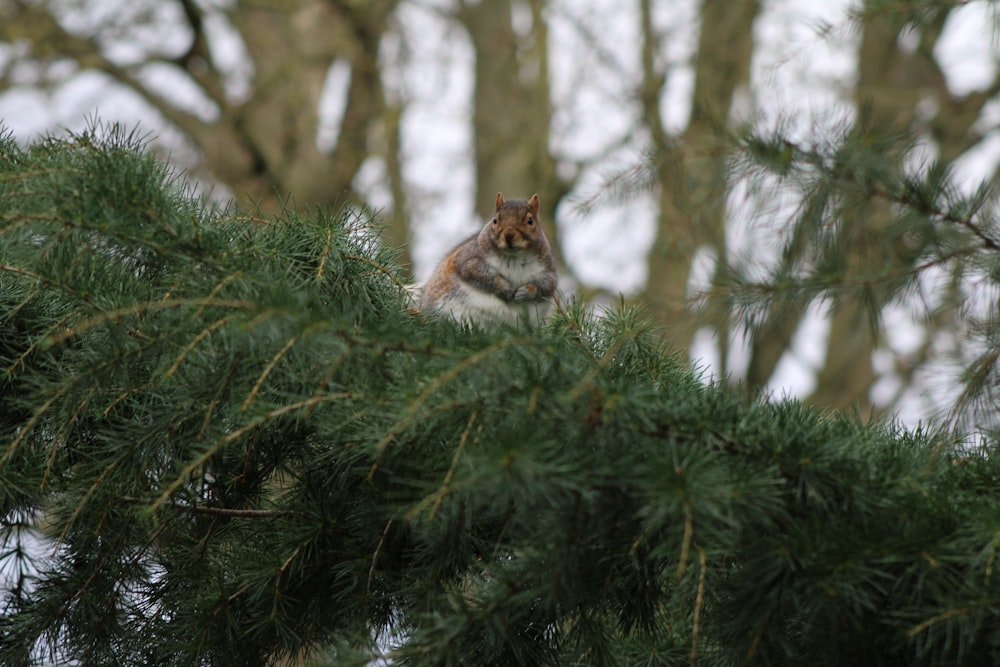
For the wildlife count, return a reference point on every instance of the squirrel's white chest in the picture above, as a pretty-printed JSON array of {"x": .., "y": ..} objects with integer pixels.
[
  {"x": 518, "y": 269},
  {"x": 468, "y": 304},
  {"x": 471, "y": 304}
]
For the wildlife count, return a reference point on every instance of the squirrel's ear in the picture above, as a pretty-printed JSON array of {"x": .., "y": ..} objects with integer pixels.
[
  {"x": 533, "y": 204},
  {"x": 499, "y": 200}
]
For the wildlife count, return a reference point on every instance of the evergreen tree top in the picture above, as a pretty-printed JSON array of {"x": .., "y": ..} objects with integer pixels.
[{"x": 228, "y": 440}]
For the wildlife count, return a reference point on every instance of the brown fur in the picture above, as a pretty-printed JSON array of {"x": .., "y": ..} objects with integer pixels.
[{"x": 503, "y": 274}]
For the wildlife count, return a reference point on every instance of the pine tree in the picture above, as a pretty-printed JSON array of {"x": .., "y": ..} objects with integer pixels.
[
  {"x": 876, "y": 224},
  {"x": 227, "y": 440}
]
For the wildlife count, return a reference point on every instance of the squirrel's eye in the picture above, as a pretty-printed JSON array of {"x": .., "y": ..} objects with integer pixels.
[
  {"x": 530, "y": 221},
  {"x": 494, "y": 221}
]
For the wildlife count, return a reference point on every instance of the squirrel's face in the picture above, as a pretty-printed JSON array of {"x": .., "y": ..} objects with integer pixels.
[
  {"x": 515, "y": 225},
  {"x": 514, "y": 230}
]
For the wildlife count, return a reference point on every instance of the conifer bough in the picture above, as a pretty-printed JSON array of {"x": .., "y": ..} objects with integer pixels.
[{"x": 224, "y": 440}]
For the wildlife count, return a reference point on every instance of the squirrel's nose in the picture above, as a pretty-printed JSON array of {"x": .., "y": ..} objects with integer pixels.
[{"x": 509, "y": 236}]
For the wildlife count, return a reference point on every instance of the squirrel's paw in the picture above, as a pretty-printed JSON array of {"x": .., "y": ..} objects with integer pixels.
[{"x": 527, "y": 292}]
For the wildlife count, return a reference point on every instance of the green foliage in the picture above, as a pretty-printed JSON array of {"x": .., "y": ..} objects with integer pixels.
[
  {"x": 227, "y": 440},
  {"x": 870, "y": 228}
]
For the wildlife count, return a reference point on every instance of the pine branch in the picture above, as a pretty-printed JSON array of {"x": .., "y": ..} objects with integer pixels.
[
  {"x": 572, "y": 494},
  {"x": 200, "y": 460},
  {"x": 230, "y": 512},
  {"x": 908, "y": 196}
]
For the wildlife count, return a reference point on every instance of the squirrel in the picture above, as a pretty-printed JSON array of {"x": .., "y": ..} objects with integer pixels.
[{"x": 503, "y": 275}]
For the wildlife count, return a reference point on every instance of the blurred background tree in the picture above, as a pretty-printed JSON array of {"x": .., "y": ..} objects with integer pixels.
[
  {"x": 256, "y": 122},
  {"x": 627, "y": 119}
]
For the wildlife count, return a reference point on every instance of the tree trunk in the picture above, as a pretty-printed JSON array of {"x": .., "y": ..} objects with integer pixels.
[
  {"x": 511, "y": 108},
  {"x": 691, "y": 169}
]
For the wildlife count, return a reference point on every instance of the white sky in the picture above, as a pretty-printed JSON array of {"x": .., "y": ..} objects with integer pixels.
[{"x": 802, "y": 69}]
